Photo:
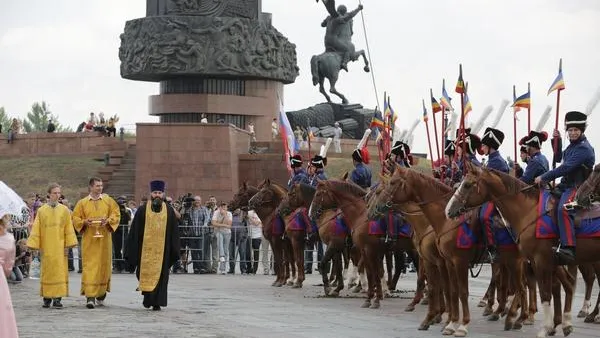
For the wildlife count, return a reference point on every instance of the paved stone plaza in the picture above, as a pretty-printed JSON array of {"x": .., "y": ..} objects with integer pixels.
[{"x": 246, "y": 306}]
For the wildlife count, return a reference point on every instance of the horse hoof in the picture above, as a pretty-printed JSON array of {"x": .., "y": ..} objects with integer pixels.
[
  {"x": 493, "y": 317},
  {"x": 582, "y": 314},
  {"x": 290, "y": 283},
  {"x": 367, "y": 69},
  {"x": 387, "y": 294},
  {"x": 528, "y": 321},
  {"x": 297, "y": 286},
  {"x": 567, "y": 330},
  {"x": 482, "y": 303},
  {"x": 488, "y": 311},
  {"x": 437, "y": 319},
  {"x": 410, "y": 308},
  {"x": 518, "y": 325},
  {"x": 589, "y": 319},
  {"x": 508, "y": 326},
  {"x": 423, "y": 327},
  {"x": 425, "y": 301},
  {"x": 375, "y": 304},
  {"x": 356, "y": 289},
  {"x": 335, "y": 293},
  {"x": 366, "y": 304},
  {"x": 461, "y": 332},
  {"x": 274, "y": 283},
  {"x": 279, "y": 284},
  {"x": 447, "y": 332},
  {"x": 552, "y": 332}
]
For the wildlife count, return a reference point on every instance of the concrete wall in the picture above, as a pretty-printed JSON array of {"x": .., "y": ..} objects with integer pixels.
[{"x": 45, "y": 144}]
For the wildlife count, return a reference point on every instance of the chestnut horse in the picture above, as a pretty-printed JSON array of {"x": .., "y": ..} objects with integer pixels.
[
  {"x": 425, "y": 242},
  {"x": 518, "y": 204},
  {"x": 301, "y": 195},
  {"x": 265, "y": 203},
  {"x": 350, "y": 198},
  {"x": 432, "y": 197}
]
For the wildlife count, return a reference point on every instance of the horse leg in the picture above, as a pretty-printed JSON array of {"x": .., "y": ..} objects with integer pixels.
[
  {"x": 532, "y": 292},
  {"x": 433, "y": 309},
  {"x": 461, "y": 271},
  {"x": 426, "y": 282},
  {"x": 329, "y": 253},
  {"x": 587, "y": 273},
  {"x": 277, "y": 261},
  {"x": 333, "y": 90},
  {"x": 491, "y": 291},
  {"x": 593, "y": 316},
  {"x": 362, "y": 275},
  {"x": 353, "y": 274},
  {"x": 298, "y": 242},
  {"x": 288, "y": 256},
  {"x": 502, "y": 289},
  {"x": 543, "y": 276},
  {"x": 515, "y": 272},
  {"x": 420, "y": 288},
  {"x": 346, "y": 261},
  {"x": 322, "y": 90},
  {"x": 389, "y": 264},
  {"x": 556, "y": 284},
  {"x": 570, "y": 285},
  {"x": 378, "y": 252},
  {"x": 400, "y": 263},
  {"x": 368, "y": 266},
  {"x": 452, "y": 300},
  {"x": 362, "y": 53},
  {"x": 339, "y": 274}
]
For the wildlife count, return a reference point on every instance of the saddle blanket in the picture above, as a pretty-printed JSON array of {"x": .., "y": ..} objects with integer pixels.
[
  {"x": 340, "y": 227},
  {"x": 545, "y": 227},
  {"x": 278, "y": 225},
  {"x": 382, "y": 226},
  {"x": 467, "y": 237},
  {"x": 301, "y": 222}
]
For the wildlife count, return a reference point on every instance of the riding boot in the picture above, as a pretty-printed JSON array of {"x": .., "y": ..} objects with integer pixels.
[{"x": 565, "y": 254}]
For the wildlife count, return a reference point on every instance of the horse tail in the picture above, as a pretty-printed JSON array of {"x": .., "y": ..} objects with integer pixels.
[{"x": 314, "y": 69}]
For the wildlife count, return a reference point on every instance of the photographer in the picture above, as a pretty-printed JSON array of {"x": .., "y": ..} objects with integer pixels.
[
  {"x": 120, "y": 234},
  {"x": 185, "y": 225}
]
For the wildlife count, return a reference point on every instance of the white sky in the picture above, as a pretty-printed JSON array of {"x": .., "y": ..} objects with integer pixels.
[{"x": 66, "y": 52}]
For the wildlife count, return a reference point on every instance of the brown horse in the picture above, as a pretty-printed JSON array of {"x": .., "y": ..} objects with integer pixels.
[
  {"x": 301, "y": 195},
  {"x": 265, "y": 203},
  {"x": 518, "y": 204},
  {"x": 425, "y": 242},
  {"x": 432, "y": 197},
  {"x": 350, "y": 198},
  {"x": 241, "y": 198}
]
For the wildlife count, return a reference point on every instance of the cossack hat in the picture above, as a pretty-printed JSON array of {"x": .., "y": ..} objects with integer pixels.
[
  {"x": 492, "y": 138},
  {"x": 296, "y": 161},
  {"x": 576, "y": 119},
  {"x": 535, "y": 139}
]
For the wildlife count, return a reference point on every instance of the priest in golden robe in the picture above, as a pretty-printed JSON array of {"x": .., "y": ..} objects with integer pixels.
[
  {"x": 153, "y": 246},
  {"x": 96, "y": 217},
  {"x": 53, "y": 234}
]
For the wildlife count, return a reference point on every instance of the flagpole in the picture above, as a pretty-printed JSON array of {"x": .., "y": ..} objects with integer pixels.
[
  {"x": 529, "y": 108},
  {"x": 390, "y": 128},
  {"x": 442, "y": 160},
  {"x": 437, "y": 142},
  {"x": 462, "y": 118},
  {"x": 514, "y": 131},
  {"x": 555, "y": 139},
  {"x": 428, "y": 136}
]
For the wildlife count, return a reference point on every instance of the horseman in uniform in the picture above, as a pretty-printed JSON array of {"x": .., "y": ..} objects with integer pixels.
[
  {"x": 361, "y": 175},
  {"x": 491, "y": 141},
  {"x": 316, "y": 170},
  {"x": 300, "y": 175},
  {"x": 472, "y": 144},
  {"x": 537, "y": 164},
  {"x": 577, "y": 163},
  {"x": 399, "y": 156}
]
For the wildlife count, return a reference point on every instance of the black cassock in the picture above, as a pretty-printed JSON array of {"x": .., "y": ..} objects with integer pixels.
[{"x": 133, "y": 253}]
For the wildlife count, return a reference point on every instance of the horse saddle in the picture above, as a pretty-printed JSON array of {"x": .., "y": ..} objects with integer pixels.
[{"x": 580, "y": 214}]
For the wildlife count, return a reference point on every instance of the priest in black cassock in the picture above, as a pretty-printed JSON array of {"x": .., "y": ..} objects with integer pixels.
[{"x": 153, "y": 246}]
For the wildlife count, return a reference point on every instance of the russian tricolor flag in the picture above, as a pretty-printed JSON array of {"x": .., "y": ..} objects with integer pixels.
[{"x": 287, "y": 137}]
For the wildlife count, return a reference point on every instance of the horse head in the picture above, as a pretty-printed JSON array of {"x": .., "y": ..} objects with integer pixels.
[
  {"x": 589, "y": 192},
  {"x": 396, "y": 190},
  {"x": 269, "y": 195},
  {"x": 479, "y": 185},
  {"x": 300, "y": 195},
  {"x": 241, "y": 198},
  {"x": 330, "y": 193}
]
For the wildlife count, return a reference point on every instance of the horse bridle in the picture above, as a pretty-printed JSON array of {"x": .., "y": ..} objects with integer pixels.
[{"x": 389, "y": 205}]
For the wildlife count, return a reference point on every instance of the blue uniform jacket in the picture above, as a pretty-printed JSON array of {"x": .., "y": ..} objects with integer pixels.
[
  {"x": 319, "y": 174},
  {"x": 536, "y": 166},
  {"x": 458, "y": 175},
  {"x": 299, "y": 177},
  {"x": 495, "y": 161},
  {"x": 577, "y": 158},
  {"x": 361, "y": 175}
]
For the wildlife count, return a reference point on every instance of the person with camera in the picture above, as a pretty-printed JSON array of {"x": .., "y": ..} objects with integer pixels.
[
  {"x": 120, "y": 234},
  {"x": 53, "y": 234}
]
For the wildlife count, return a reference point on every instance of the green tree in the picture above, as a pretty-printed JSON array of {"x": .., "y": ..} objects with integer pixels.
[
  {"x": 38, "y": 117},
  {"x": 5, "y": 120}
]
